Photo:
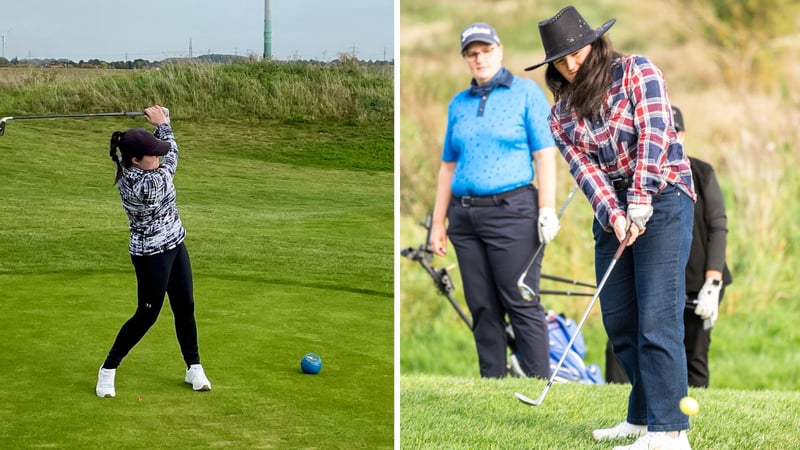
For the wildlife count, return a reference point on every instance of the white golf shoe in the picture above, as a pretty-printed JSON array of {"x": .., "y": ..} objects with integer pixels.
[
  {"x": 197, "y": 378},
  {"x": 622, "y": 430},
  {"x": 659, "y": 441},
  {"x": 105, "y": 383}
]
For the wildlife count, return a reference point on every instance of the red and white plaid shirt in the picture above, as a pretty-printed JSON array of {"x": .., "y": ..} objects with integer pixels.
[{"x": 633, "y": 138}]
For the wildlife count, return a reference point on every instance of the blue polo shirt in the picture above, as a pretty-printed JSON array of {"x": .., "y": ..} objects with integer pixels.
[{"x": 492, "y": 137}]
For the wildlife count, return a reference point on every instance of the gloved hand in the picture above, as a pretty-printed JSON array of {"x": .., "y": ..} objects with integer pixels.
[
  {"x": 708, "y": 300},
  {"x": 166, "y": 113},
  {"x": 639, "y": 215},
  {"x": 548, "y": 224}
]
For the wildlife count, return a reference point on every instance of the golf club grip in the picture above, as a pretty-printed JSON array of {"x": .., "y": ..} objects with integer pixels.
[{"x": 622, "y": 245}]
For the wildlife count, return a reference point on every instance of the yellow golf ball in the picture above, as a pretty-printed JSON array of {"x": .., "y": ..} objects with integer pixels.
[{"x": 689, "y": 406}]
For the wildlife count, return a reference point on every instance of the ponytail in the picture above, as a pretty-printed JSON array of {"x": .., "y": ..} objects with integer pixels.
[{"x": 115, "y": 138}]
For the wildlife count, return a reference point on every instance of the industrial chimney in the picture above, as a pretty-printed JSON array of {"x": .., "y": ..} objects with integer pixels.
[{"x": 267, "y": 29}]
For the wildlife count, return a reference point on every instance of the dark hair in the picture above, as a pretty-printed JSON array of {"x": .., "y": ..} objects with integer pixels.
[
  {"x": 587, "y": 92},
  {"x": 121, "y": 158}
]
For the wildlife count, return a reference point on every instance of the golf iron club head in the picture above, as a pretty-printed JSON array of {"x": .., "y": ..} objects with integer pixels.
[
  {"x": 529, "y": 401},
  {"x": 526, "y": 292}
]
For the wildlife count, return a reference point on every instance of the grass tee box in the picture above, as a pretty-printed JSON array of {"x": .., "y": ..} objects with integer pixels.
[{"x": 290, "y": 236}]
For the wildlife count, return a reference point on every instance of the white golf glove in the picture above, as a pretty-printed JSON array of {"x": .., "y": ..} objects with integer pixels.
[
  {"x": 708, "y": 301},
  {"x": 639, "y": 215},
  {"x": 166, "y": 113},
  {"x": 548, "y": 224}
]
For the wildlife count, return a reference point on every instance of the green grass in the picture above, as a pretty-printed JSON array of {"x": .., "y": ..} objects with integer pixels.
[
  {"x": 469, "y": 413},
  {"x": 286, "y": 91},
  {"x": 290, "y": 233}
]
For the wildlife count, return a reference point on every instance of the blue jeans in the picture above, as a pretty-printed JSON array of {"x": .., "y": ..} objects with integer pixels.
[{"x": 642, "y": 305}]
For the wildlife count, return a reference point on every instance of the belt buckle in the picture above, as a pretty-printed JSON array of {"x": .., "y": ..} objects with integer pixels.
[
  {"x": 466, "y": 201},
  {"x": 620, "y": 184}
]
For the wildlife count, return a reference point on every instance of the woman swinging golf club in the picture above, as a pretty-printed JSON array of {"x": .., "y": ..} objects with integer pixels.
[
  {"x": 613, "y": 124},
  {"x": 157, "y": 251}
]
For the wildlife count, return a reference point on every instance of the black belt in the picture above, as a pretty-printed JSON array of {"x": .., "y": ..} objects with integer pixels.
[
  {"x": 489, "y": 200},
  {"x": 622, "y": 183}
]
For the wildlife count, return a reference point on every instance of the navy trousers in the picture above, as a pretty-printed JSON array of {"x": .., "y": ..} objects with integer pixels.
[{"x": 493, "y": 245}]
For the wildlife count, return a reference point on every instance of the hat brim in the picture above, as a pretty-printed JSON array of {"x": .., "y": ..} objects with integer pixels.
[
  {"x": 482, "y": 39},
  {"x": 577, "y": 46},
  {"x": 160, "y": 148}
]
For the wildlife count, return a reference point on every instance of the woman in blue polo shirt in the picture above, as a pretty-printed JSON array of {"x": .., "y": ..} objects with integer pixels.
[
  {"x": 487, "y": 205},
  {"x": 157, "y": 251}
]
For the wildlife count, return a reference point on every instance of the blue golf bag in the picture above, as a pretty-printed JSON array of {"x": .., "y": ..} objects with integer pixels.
[{"x": 574, "y": 369}]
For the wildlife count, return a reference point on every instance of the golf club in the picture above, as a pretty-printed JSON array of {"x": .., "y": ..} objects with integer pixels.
[
  {"x": 707, "y": 323},
  {"x": 538, "y": 401},
  {"x": 524, "y": 290},
  {"x": 565, "y": 293},
  {"x": 565, "y": 280},
  {"x": 67, "y": 116}
]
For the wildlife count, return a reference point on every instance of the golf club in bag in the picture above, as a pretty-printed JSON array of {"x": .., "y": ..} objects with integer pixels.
[
  {"x": 538, "y": 401},
  {"x": 560, "y": 328},
  {"x": 68, "y": 116}
]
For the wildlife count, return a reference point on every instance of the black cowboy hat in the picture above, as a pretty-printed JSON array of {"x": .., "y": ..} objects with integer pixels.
[{"x": 565, "y": 33}]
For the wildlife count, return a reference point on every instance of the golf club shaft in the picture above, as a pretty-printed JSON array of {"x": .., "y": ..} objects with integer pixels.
[
  {"x": 602, "y": 283},
  {"x": 566, "y": 293},
  {"x": 521, "y": 281},
  {"x": 565, "y": 280},
  {"x": 68, "y": 116},
  {"x": 77, "y": 116}
]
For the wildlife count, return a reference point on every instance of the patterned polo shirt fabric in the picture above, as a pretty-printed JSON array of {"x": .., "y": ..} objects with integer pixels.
[
  {"x": 148, "y": 197},
  {"x": 493, "y": 149},
  {"x": 634, "y": 137}
]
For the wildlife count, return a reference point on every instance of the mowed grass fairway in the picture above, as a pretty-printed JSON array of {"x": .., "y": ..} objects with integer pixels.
[{"x": 289, "y": 227}]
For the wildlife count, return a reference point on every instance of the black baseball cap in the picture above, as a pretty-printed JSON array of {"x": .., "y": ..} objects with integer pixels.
[
  {"x": 138, "y": 141},
  {"x": 478, "y": 32}
]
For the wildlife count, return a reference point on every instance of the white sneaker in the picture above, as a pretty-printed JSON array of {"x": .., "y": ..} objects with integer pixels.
[
  {"x": 622, "y": 430},
  {"x": 105, "y": 383},
  {"x": 197, "y": 378},
  {"x": 659, "y": 441}
]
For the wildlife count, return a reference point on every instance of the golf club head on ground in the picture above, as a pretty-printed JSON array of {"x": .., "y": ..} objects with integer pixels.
[
  {"x": 3, "y": 125},
  {"x": 529, "y": 401}
]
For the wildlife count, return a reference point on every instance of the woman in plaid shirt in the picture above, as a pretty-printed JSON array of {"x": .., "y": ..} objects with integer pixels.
[
  {"x": 157, "y": 251},
  {"x": 613, "y": 125}
]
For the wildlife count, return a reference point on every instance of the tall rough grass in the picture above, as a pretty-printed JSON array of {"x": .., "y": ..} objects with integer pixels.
[
  {"x": 745, "y": 123},
  {"x": 294, "y": 91}
]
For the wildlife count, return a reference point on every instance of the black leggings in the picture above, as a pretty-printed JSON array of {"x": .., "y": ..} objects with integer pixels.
[{"x": 170, "y": 273}]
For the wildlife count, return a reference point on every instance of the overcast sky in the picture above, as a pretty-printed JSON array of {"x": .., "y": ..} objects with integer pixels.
[{"x": 114, "y": 30}]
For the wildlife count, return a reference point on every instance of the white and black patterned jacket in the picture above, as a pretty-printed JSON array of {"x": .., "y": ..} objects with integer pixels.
[{"x": 148, "y": 197}]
